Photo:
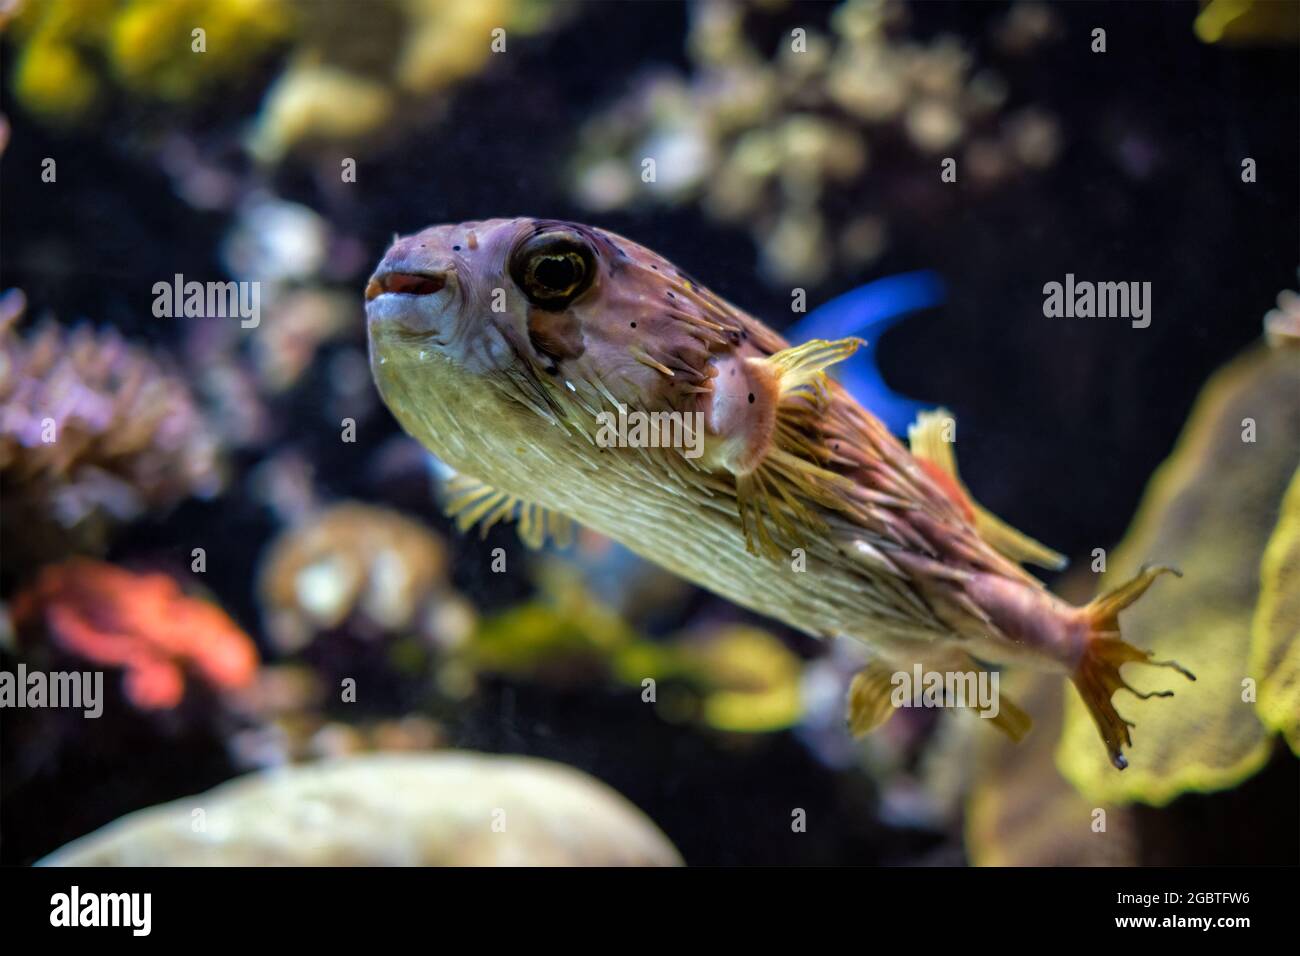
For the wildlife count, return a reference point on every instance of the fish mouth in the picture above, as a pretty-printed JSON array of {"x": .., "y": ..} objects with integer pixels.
[{"x": 405, "y": 283}]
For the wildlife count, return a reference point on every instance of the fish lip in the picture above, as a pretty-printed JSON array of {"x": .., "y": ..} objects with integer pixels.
[{"x": 406, "y": 282}]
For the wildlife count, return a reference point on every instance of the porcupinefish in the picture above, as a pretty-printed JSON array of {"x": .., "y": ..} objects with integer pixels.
[{"x": 505, "y": 346}]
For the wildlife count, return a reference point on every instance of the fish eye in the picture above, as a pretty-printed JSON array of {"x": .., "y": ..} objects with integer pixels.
[{"x": 553, "y": 269}]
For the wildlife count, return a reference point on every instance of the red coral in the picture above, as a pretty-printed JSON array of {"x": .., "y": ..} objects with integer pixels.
[{"x": 143, "y": 623}]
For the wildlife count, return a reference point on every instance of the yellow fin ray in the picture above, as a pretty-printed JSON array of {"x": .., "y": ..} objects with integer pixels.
[
  {"x": 470, "y": 502},
  {"x": 789, "y": 485},
  {"x": 803, "y": 363},
  {"x": 929, "y": 443},
  {"x": 869, "y": 703}
]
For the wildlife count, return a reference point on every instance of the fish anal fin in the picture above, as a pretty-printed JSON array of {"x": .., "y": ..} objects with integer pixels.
[
  {"x": 869, "y": 703},
  {"x": 931, "y": 439},
  {"x": 1011, "y": 719},
  {"x": 472, "y": 502}
]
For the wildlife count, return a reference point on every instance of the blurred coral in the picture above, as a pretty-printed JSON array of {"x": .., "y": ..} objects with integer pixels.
[
  {"x": 93, "y": 431},
  {"x": 1022, "y": 812},
  {"x": 359, "y": 561},
  {"x": 294, "y": 332},
  {"x": 389, "y": 810},
  {"x": 142, "y": 623},
  {"x": 782, "y": 144},
  {"x": 729, "y": 677},
  {"x": 346, "y": 81},
  {"x": 70, "y": 51},
  {"x": 1282, "y": 324},
  {"x": 565, "y": 636},
  {"x": 751, "y": 680},
  {"x": 1247, "y": 23},
  {"x": 1275, "y": 639},
  {"x": 352, "y": 83}
]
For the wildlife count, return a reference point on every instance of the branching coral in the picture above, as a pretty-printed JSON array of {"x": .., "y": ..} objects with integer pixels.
[
  {"x": 92, "y": 430},
  {"x": 142, "y": 623},
  {"x": 784, "y": 144}
]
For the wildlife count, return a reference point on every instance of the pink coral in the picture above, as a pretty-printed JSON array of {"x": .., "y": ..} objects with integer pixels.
[{"x": 92, "y": 430}]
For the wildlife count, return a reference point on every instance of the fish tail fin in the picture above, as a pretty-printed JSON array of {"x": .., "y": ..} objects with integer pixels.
[{"x": 1097, "y": 676}]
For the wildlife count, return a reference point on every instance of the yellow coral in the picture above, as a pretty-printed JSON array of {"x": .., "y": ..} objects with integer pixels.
[
  {"x": 1275, "y": 645},
  {"x": 152, "y": 48},
  {"x": 54, "y": 80},
  {"x": 1022, "y": 812},
  {"x": 148, "y": 46},
  {"x": 313, "y": 103},
  {"x": 1247, "y": 22},
  {"x": 752, "y": 679},
  {"x": 451, "y": 41},
  {"x": 1210, "y": 510}
]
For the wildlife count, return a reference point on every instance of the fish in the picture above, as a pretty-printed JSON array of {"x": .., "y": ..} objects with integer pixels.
[{"x": 505, "y": 346}]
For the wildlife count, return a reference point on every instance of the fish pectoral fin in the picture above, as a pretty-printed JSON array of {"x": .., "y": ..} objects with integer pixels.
[
  {"x": 783, "y": 483},
  {"x": 931, "y": 439},
  {"x": 801, "y": 364},
  {"x": 470, "y": 502},
  {"x": 869, "y": 703}
]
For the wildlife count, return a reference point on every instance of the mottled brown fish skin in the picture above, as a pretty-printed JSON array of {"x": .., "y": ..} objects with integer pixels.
[{"x": 496, "y": 362}]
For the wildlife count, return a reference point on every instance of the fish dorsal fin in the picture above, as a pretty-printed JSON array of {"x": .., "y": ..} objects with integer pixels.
[
  {"x": 784, "y": 482},
  {"x": 470, "y": 502},
  {"x": 931, "y": 439}
]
